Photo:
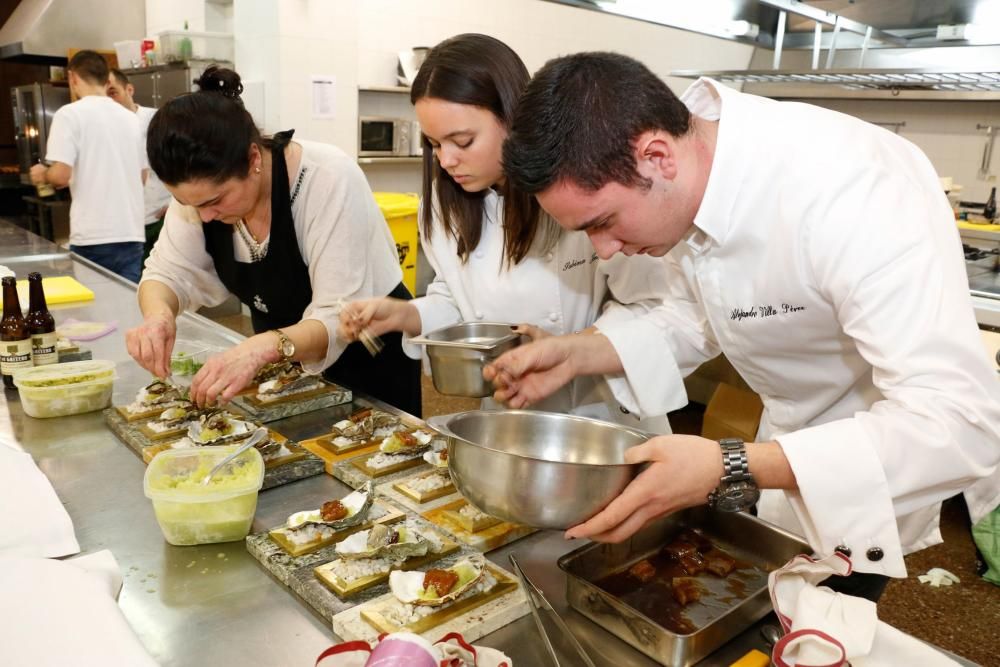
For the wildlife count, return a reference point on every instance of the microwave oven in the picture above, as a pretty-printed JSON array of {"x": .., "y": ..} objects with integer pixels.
[{"x": 380, "y": 136}]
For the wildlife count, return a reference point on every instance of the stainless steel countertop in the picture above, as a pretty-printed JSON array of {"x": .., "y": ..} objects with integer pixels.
[{"x": 214, "y": 604}]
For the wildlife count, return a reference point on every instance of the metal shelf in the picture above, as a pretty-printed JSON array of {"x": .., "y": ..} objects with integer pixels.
[
  {"x": 384, "y": 89},
  {"x": 413, "y": 159},
  {"x": 944, "y": 81}
]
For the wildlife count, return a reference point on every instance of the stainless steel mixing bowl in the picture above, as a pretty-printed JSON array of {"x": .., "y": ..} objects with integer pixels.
[
  {"x": 539, "y": 469},
  {"x": 459, "y": 352}
]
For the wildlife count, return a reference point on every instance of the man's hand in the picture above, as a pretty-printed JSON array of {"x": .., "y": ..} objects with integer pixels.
[
  {"x": 38, "y": 174},
  {"x": 682, "y": 471},
  {"x": 529, "y": 373}
]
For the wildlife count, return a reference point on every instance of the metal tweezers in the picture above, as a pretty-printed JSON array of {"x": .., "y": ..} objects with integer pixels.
[{"x": 537, "y": 599}]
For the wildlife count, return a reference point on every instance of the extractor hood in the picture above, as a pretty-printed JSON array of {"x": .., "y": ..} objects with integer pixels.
[{"x": 43, "y": 31}]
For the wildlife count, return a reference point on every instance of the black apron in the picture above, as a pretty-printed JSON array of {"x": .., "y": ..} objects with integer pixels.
[{"x": 277, "y": 290}]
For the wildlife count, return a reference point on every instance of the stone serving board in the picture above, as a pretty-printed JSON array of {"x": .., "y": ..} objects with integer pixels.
[
  {"x": 298, "y": 575},
  {"x": 309, "y": 401},
  {"x": 471, "y": 624},
  {"x": 309, "y": 465}
]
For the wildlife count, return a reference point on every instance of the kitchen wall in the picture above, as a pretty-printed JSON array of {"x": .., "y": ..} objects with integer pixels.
[
  {"x": 945, "y": 131},
  {"x": 357, "y": 42}
]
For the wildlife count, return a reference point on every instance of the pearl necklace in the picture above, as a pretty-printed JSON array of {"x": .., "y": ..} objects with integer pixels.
[{"x": 258, "y": 251}]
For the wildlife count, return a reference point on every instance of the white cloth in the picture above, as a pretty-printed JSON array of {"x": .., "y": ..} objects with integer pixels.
[
  {"x": 561, "y": 290},
  {"x": 827, "y": 628},
  {"x": 827, "y": 268},
  {"x": 341, "y": 234},
  {"x": 34, "y": 523},
  {"x": 57, "y": 613},
  {"x": 404, "y": 648},
  {"x": 154, "y": 194},
  {"x": 101, "y": 140}
]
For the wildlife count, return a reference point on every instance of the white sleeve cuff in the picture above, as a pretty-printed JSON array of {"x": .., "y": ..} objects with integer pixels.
[
  {"x": 843, "y": 498},
  {"x": 651, "y": 384},
  {"x": 435, "y": 312}
]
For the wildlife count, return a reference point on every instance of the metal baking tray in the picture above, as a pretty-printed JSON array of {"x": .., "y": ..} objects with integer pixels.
[{"x": 727, "y": 606}]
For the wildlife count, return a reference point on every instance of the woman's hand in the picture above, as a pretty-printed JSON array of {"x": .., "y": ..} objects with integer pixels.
[
  {"x": 151, "y": 343},
  {"x": 225, "y": 375},
  {"x": 379, "y": 316},
  {"x": 682, "y": 471}
]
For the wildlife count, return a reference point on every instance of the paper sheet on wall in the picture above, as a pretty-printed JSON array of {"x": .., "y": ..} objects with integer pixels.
[{"x": 323, "y": 96}]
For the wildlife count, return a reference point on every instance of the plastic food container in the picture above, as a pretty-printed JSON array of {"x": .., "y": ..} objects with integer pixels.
[
  {"x": 187, "y": 357},
  {"x": 182, "y": 45},
  {"x": 72, "y": 388},
  {"x": 189, "y": 513}
]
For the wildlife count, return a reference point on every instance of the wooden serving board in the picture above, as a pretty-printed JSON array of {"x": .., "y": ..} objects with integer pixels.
[
  {"x": 154, "y": 411},
  {"x": 299, "y": 464},
  {"x": 294, "y": 404},
  {"x": 388, "y": 489},
  {"x": 473, "y": 617},
  {"x": 361, "y": 463},
  {"x": 354, "y": 475},
  {"x": 325, "y": 573},
  {"x": 486, "y": 536},
  {"x": 379, "y": 513}
]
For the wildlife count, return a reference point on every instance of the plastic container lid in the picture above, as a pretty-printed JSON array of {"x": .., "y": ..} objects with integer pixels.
[
  {"x": 175, "y": 474},
  {"x": 61, "y": 375},
  {"x": 397, "y": 204}
]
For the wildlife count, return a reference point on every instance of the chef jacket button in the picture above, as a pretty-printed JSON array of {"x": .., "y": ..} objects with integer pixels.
[
  {"x": 623, "y": 409},
  {"x": 874, "y": 554},
  {"x": 841, "y": 549},
  {"x": 479, "y": 254},
  {"x": 479, "y": 314},
  {"x": 553, "y": 317},
  {"x": 549, "y": 256}
]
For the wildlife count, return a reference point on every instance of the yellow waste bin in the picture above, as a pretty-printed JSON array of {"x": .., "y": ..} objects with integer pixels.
[{"x": 400, "y": 211}]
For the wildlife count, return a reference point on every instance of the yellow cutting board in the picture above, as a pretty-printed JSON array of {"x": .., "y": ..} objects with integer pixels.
[
  {"x": 60, "y": 289},
  {"x": 979, "y": 226}
]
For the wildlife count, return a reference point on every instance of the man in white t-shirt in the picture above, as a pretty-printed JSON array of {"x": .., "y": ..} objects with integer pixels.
[
  {"x": 95, "y": 147},
  {"x": 154, "y": 194}
]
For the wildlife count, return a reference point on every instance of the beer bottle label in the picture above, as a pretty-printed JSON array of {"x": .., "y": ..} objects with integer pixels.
[
  {"x": 15, "y": 355},
  {"x": 43, "y": 348}
]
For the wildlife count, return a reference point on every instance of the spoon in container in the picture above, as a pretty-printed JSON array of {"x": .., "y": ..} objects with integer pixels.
[{"x": 253, "y": 440}]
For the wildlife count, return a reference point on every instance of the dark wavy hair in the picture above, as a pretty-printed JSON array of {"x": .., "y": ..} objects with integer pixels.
[
  {"x": 204, "y": 135},
  {"x": 484, "y": 72},
  {"x": 579, "y": 118}
]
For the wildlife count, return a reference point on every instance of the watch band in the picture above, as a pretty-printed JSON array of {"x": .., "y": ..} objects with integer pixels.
[
  {"x": 736, "y": 465},
  {"x": 284, "y": 342}
]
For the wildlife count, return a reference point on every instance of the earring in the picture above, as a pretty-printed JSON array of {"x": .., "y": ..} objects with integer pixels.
[{"x": 256, "y": 169}]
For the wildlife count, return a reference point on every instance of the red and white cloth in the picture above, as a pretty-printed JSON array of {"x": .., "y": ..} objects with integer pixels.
[
  {"x": 823, "y": 628},
  {"x": 404, "y": 648}
]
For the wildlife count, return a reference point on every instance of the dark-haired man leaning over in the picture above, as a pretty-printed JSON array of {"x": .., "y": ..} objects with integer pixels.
[
  {"x": 95, "y": 147},
  {"x": 819, "y": 254}
]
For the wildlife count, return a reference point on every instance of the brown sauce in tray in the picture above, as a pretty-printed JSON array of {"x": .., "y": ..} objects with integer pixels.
[{"x": 647, "y": 586}]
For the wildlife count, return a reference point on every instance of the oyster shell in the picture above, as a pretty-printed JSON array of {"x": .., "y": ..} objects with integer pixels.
[
  {"x": 408, "y": 587},
  {"x": 271, "y": 371},
  {"x": 158, "y": 392},
  {"x": 218, "y": 427},
  {"x": 357, "y": 504},
  {"x": 437, "y": 457},
  {"x": 413, "y": 441},
  {"x": 365, "y": 425},
  {"x": 180, "y": 413},
  {"x": 381, "y": 541}
]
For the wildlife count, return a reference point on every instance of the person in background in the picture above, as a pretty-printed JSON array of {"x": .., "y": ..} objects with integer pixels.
[
  {"x": 289, "y": 227},
  {"x": 154, "y": 195},
  {"x": 826, "y": 267},
  {"x": 95, "y": 148},
  {"x": 496, "y": 256}
]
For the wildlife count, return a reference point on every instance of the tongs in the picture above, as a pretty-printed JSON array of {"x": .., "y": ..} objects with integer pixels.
[{"x": 537, "y": 599}]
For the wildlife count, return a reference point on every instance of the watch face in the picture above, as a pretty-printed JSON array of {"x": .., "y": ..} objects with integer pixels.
[
  {"x": 737, "y": 497},
  {"x": 287, "y": 348}
]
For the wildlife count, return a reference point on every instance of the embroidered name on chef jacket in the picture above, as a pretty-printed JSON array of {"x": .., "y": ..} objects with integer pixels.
[
  {"x": 573, "y": 263},
  {"x": 764, "y": 311}
]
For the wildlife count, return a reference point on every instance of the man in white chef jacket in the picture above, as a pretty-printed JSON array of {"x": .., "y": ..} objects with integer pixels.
[
  {"x": 95, "y": 148},
  {"x": 155, "y": 197},
  {"x": 819, "y": 254}
]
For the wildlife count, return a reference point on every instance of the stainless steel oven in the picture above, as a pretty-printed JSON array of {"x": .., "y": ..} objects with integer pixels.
[{"x": 34, "y": 106}]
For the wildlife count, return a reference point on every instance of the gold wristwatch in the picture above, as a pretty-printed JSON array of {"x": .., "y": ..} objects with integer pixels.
[{"x": 286, "y": 348}]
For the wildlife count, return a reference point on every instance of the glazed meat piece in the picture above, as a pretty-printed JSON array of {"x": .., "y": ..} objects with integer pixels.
[
  {"x": 442, "y": 581},
  {"x": 643, "y": 570},
  {"x": 333, "y": 510},
  {"x": 686, "y": 590},
  {"x": 692, "y": 563},
  {"x": 360, "y": 414},
  {"x": 700, "y": 542},
  {"x": 719, "y": 563},
  {"x": 679, "y": 549}
]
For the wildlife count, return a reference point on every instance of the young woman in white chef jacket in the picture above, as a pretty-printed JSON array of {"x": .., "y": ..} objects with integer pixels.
[{"x": 496, "y": 255}]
